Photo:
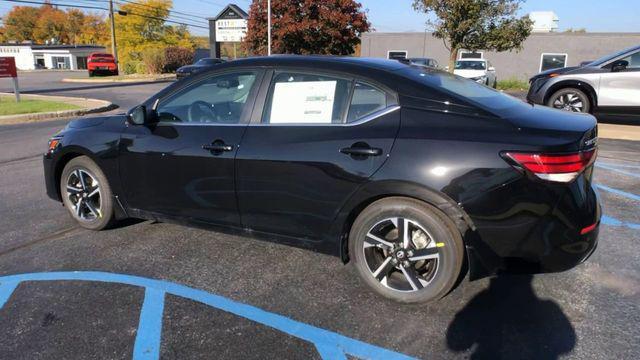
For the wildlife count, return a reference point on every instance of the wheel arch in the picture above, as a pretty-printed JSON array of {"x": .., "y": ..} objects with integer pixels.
[
  {"x": 580, "y": 85},
  {"x": 375, "y": 191}
]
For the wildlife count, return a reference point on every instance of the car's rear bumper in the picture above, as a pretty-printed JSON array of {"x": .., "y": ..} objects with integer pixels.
[{"x": 535, "y": 228}]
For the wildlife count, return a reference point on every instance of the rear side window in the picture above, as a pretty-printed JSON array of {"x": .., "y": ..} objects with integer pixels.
[
  {"x": 365, "y": 100},
  {"x": 297, "y": 98}
]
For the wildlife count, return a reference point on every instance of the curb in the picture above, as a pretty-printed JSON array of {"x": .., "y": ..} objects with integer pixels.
[
  {"x": 98, "y": 106},
  {"x": 109, "y": 81}
]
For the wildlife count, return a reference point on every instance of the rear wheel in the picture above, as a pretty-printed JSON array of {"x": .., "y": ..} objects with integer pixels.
[
  {"x": 87, "y": 194},
  {"x": 570, "y": 99},
  {"x": 91, "y": 73},
  {"x": 406, "y": 250}
]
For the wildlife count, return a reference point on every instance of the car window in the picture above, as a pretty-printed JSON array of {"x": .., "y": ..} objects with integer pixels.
[
  {"x": 634, "y": 61},
  {"x": 306, "y": 99},
  {"x": 218, "y": 99},
  {"x": 365, "y": 100},
  {"x": 482, "y": 96},
  {"x": 470, "y": 65}
]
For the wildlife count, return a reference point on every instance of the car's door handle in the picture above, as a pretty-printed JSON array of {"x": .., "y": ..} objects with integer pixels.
[
  {"x": 361, "y": 151},
  {"x": 217, "y": 147}
]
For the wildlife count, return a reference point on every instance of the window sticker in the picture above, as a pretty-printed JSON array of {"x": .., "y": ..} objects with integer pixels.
[{"x": 303, "y": 102}]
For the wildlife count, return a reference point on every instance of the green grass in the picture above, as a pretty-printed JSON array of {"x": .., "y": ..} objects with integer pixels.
[
  {"x": 9, "y": 106},
  {"x": 513, "y": 84}
]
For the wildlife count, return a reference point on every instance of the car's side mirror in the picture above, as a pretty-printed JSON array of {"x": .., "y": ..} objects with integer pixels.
[
  {"x": 137, "y": 115},
  {"x": 491, "y": 68},
  {"x": 619, "y": 65}
]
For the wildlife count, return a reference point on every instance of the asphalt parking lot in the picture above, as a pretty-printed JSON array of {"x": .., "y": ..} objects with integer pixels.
[{"x": 301, "y": 304}]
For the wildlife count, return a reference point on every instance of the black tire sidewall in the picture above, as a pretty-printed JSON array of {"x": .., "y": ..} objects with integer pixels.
[
  {"x": 585, "y": 99},
  {"x": 106, "y": 198},
  {"x": 451, "y": 255}
]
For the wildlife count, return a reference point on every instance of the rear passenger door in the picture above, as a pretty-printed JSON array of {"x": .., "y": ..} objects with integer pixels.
[{"x": 317, "y": 138}]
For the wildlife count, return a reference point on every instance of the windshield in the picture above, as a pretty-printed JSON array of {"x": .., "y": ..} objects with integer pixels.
[
  {"x": 470, "y": 65},
  {"x": 418, "y": 61},
  {"x": 609, "y": 57},
  {"x": 482, "y": 96}
]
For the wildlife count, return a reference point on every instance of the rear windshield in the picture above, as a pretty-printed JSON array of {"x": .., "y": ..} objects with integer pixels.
[
  {"x": 470, "y": 65},
  {"x": 469, "y": 90},
  {"x": 101, "y": 55}
]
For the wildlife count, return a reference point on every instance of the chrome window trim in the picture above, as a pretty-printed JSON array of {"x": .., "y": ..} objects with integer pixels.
[{"x": 361, "y": 121}]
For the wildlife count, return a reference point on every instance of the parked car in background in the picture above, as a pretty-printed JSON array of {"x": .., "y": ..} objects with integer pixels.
[
  {"x": 610, "y": 85},
  {"x": 200, "y": 65},
  {"x": 334, "y": 154},
  {"x": 478, "y": 70},
  {"x": 101, "y": 64},
  {"x": 428, "y": 62}
]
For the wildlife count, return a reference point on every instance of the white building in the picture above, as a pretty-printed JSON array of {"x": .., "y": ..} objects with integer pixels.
[
  {"x": 544, "y": 21},
  {"x": 68, "y": 57}
]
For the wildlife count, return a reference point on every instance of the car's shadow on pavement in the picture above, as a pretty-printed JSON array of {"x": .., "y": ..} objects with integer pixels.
[{"x": 508, "y": 321}]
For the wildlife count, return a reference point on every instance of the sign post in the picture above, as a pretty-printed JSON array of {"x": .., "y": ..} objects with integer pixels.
[{"x": 8, "y": 70}]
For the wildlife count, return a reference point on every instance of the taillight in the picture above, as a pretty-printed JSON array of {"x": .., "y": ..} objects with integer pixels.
[{"x": 554, "y": 167}]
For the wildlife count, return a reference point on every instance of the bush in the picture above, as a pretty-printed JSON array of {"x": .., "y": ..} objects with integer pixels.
[
  {"x": 131, "y": 66},
  {"x": 154, "y": 60},
  {"x": 513, "y": 84},
  {"x": 175, "y": 57}
]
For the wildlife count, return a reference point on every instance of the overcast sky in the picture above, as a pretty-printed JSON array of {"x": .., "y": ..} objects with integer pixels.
[{"x": 397, "y": 15}]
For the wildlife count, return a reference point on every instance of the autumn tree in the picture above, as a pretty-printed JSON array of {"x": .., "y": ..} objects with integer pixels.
[
  {"x": 144, "y": 30},
  {"x": 20, "y": 22},
  {"x": 476, "y": 24},
  {"x": 306, "y": 27},
  {"x": 51, "y": 25}
]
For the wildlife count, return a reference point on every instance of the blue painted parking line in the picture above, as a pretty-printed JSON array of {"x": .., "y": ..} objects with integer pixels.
[
  {"x": 618, "y": 192},
  {"x": 608, "y": 220},
  {"x": 330, "y": 345},
  {"x": 616, "y": 169}
]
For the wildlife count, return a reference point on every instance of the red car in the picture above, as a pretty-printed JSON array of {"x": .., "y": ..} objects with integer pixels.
[{"x": 99, "y": 63}]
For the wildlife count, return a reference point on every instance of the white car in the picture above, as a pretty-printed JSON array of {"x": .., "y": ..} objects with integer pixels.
[{"x": 478, "y": 70}]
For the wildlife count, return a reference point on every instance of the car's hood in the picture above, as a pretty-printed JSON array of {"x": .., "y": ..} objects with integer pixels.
[
  {"x": 95, "y": 121},
  {"x": 469, "y": 73}
]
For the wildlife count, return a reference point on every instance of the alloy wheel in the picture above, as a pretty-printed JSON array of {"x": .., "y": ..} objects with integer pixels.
[
  {"x": 401, "y": 254},
  {"x": 569, "y": 102},
  {"x": 83, "y": 191}
]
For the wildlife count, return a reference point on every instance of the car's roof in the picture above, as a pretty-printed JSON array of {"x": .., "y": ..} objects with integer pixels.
[{"x": 312, "y": 60}]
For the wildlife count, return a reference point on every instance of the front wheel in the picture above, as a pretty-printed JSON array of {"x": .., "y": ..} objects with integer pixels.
[
  {"x": 406, "y": 250},
  {"x": 570, "y": 99},
  {"x": 87, "y": 194}
]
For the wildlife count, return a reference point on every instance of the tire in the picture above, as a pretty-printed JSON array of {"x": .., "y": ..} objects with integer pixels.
[
  {"x": 441, "y": 240},
  {"x": 570, "y": 99},
  {"x": 495, "y": 83},
  {"x": 91, "y": 74},
  {"x": 93, "y": 194}
]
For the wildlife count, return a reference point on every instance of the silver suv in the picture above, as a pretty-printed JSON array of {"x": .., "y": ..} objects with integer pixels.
[{"x": 610, "y": 85}]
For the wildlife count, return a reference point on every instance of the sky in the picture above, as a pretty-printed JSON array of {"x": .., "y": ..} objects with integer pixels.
[{"x": 398, "y": 15}]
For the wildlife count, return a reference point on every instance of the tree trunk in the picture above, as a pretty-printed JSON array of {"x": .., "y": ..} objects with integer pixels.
[{"x": 453, "y": 56}]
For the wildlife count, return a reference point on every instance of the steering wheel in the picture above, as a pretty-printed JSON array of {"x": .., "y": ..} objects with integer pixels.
[{"x": 201, "y": 111}]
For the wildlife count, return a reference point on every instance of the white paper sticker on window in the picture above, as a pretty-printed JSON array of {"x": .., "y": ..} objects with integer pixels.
[{"x": 303, "y": 102}]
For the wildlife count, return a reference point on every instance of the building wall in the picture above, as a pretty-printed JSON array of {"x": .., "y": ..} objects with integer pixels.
[
  {"x": 22, "y": 54},
  {"x": 522, "y": 64}
]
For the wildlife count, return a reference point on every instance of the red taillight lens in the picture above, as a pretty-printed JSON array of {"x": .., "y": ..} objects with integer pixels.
[{"x": 555, "y": 167}]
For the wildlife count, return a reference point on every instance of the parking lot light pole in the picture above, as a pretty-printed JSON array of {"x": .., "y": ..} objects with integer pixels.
[
  {"x": 114, "y": 50},
  {"x": 268, "y": 27}
]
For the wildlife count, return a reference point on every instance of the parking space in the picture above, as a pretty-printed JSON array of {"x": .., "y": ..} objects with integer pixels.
[{"x": 215, "y": 295}]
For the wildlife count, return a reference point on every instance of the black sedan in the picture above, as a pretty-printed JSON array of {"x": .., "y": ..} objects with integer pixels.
[
  {"x": 412, "y": 174},
  {"x": 200, "y": 65}
]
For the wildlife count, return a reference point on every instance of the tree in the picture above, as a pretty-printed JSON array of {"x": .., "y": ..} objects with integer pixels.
[
  {"x": 20, "y": 22},
  {"x": 306, "y": 26},
  {"x": 51, "y": 25},
  {"x": 94, "y": 31},
  {"x": 144, "y": 28},
  {"x": 476, "y": 24}
]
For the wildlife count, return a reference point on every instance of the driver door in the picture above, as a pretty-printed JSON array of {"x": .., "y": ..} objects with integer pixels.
[
  {"x": 182, "y": 164},
  {"x": 620, "y": 90}
]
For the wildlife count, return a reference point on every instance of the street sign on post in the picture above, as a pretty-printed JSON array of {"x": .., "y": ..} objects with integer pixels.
[{"x": 8, "y": 70}]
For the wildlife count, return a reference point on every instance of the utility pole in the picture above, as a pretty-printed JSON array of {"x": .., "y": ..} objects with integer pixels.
[
  {"x": 269, "y": 27},
  {"x": 114, "y": 50}
]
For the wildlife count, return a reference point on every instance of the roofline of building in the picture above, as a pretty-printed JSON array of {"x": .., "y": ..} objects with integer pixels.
[
  {"x": 54, "y": 47},
  {"x": 233, "y": 7}
]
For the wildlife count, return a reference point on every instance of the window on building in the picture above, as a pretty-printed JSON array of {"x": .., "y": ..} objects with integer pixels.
[
  {"x": 552, "y": 61},
  {"x": 397, "y": 54},
  {"x": 61, "y": 62},
  {"x": 471, "y": 54},
  {"x": 82, "y": 62}
]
